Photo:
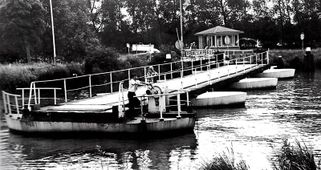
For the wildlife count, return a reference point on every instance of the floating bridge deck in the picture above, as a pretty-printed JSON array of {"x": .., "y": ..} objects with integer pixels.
[{"x": 192, "y": 73}]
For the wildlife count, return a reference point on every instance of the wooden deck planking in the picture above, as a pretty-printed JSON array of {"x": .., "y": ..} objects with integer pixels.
[{"x": 190, "y": 82}]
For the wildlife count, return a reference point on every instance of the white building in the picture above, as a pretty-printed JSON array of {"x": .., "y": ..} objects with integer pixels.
[{"x": 219, "y": 38}]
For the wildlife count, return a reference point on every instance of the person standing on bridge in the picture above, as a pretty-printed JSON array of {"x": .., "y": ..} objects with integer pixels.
[
  {"x": 133, "y": 85},
  {"x": 151, "y": 74},
  {"x": 308, "y": 61}
]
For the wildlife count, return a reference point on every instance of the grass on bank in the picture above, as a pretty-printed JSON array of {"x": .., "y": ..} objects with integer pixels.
[
  {"x": 294, "y": 57},
  {"x": 289, "y": 157},
  {"x": 294, "y": 157},
  {"x": 225, "y": 161}
]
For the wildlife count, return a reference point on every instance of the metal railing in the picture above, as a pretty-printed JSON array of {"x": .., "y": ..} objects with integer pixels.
[
  {"x": 87, "y": 86},
  {"x": 211, "y": 52},
  {"x": 37, "y": 91},
  {"x": 10, "y": 103}
]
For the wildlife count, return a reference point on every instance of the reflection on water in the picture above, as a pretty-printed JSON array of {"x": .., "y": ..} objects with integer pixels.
[
  {"x": 30, "y": 152},
  {"x": 255, "y": 133}
]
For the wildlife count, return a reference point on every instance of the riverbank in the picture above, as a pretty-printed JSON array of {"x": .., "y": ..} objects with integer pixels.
[{"x": 293, "y": 58}]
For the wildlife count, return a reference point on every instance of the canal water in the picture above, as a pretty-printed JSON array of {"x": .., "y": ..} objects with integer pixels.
[{"x": 253, "y": 134}]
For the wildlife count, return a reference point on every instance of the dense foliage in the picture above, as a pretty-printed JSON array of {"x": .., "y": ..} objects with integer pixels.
[{"x": 85, "y": 26}]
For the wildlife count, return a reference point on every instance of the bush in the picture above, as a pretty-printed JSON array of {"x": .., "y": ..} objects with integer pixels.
[
  {"x": 103, "y": 60},
  {"x": 297, "y": 157},
  {"x": 21, "y": 75},
  {"x": 293, "y": 58}
]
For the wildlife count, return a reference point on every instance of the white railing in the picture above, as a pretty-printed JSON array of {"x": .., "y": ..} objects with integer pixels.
[
  {"x": 37, "y": 92},
  {"x": 87, "y": 86},
  {"x": 210, "y": 52},
  {"x": 10, "y": 103}
]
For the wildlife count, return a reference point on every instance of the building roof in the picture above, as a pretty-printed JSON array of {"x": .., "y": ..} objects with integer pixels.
[{"x": 219, "y": 30}]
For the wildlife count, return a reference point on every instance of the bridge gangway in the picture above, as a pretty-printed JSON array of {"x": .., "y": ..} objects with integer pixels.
[{"x": 99, "y": 92}]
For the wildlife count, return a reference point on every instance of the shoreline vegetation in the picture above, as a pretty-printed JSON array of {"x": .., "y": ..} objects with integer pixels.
[
  {"x": 289, "y": 157},
  {"x": 21, "y": 75},
  {"x": 293, "y": 58}
]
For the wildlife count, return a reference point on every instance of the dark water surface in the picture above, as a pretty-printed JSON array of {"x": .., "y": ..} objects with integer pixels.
[{"x": 254, "y": 133}]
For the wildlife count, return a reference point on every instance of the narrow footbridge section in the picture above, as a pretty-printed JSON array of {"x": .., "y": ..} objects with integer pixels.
[{"x": 102, "y": 91}]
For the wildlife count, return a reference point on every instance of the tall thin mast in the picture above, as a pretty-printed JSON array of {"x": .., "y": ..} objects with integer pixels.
[
  {"x": 181, "y": 24},
  {"x": 53, "y": 33}
]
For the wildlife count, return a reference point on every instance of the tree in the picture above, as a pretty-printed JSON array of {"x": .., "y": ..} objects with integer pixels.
[
  {"x": 74, "y": 35},
  {"x": 22, "y": 24},
  {"x": 260, "y": 9},
  {"x": 114, "y": 27}
]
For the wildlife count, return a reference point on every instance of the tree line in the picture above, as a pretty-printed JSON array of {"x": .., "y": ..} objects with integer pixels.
[{"x": 87, "y": 27}]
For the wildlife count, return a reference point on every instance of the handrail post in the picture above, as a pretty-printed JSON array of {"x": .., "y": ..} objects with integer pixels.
[
  {"x": 38, "y": 96},
  {"x": 209, "y": 77},
  {"x": 17, "y": 104},
  {"x": 217, "y": 64},
  {"x": 65, "y": 90},
  {"x": 159, "y": 77},
  {"x": 201, "y": 63},
  {"x": 256, "y": 58},
  {"x": 8, "y": 104},
  {"x": 23, "y": 98},
  {"x": 128, "y": 76},
  {"x": 171, "y": 67},
  {"x": 179, "y": 105},
  {"x": 90, "y": 87},
  {"x": 35, "y": 93},
  {"x": 268, "y": 56},
  {"x": 208, "y": 62},
  {"x": 4, "y": 102},
  {"x": 160, "y": 109},
  {"x": 182, "y": 72},
  {"x": 111, "y": 81},
  {"x": 187, "y": 98},
  {"x": 192, "y": 63},
  {"x": 55, "y": 96},
  {"x": 30, "y": 95},
  {"x": 145, "y": 76}
]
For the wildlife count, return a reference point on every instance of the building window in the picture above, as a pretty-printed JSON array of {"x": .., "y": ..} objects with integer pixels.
[
  {"x": 236, "y": 41},
  {"x": 219, "y": 42}
]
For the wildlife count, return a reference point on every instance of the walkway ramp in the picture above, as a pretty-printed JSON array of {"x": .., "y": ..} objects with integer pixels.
[
  {"x": 83, "y": 93},
  {"x": 191, "y": 82}
]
